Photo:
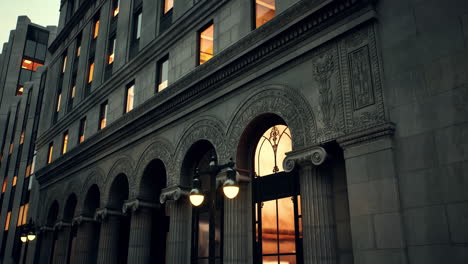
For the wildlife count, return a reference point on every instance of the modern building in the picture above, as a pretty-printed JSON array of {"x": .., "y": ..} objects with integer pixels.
[
  {"x": 20, "y": 105},
  {"x": 346, "y": 120}
]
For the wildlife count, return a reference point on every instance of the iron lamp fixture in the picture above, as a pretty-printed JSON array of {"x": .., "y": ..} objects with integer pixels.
[
  {"x": 230, "y": 186},
  {"x": 196, "y": 196}
]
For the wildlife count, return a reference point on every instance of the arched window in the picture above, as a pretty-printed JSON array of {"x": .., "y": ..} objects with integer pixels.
[
  {"x": 207, "y": 222},
  {"x": 277, "y": 216}
]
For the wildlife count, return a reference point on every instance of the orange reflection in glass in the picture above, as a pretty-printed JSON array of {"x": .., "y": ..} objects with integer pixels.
[
  {"x": 286, "y": 234},
  {"x": 206, "y": 44},
  {"x": 265, "y": 10},
  {"x": 271, "y": 150},
  {"x": 269, "y": 228}
]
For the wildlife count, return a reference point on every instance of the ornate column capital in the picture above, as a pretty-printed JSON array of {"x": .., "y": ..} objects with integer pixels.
[
  {"x": 61, "y": 224},
  {"x": 81, "y": 219},
  {"x": 136, "y": 204},
  {"x": 102, "y": 214},
  {"x": 315, "y": 155},
  {"x": 46, "y": 228},
  {"x": 174, "y": 192}
]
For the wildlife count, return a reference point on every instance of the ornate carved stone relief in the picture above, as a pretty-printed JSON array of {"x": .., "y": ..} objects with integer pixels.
[{"x": 123, "y": 165}]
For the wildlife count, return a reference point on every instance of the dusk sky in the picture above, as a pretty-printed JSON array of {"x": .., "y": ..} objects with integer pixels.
[{"x": 42, "y": 12}]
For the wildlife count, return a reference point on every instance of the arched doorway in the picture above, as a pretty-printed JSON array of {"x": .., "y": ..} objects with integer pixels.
[
  {"x": 207, "y": 219},
  {"x": 276, "y": 209}
]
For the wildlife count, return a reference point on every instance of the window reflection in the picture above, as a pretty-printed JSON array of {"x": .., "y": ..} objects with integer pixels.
[{"x": 203, "y": 234}]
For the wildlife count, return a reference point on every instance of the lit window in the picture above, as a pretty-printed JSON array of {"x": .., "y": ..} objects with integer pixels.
[
  {"x": 25, "y": 213},
  {"x": 91, "y": 72},
  {"x": 49, "y": 154},
  {"x": 206, "y": 44},
  {"x": 65, "y": 143},
  {"x": 138, "y": 26},
  {"x": 81, "y": 132},
  {"x": 59, "y": 99},
  {"x": 112, "y": 50},
  {"x": 20, "y": 90},
  {"x": 130, "y": 98},
  {"x": 64, "y": 66},
  {"x": 30, "y": 65},
  {"x": 103, "y": 116},
  {"x": 15, "y": 179},
  {"x": 11, "y": 148},
  {"x": 20, "y": 216},
  {"x": 78, "y": 46},
  {"x": 96, "y": 29},
  {"x": 28, "y": 171},
  {"x": 7, "y": 222},
  {"x": 168, "y": 5},
  {"x": 22, "y": 138},
  {"x": 271, "y": 150},
  {"x": 116, "y": 5},
  {"x": 163, "y": 72},
  {"x": 264, "y": 11},
  {"x": 4, "y": 185},
  {"x": 73, "y": 90}
]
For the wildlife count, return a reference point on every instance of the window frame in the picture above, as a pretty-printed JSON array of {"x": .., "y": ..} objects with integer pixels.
[
  {"x": 199, "y": 32},
  {"x": 103, "y": 108},
  {"x": 159, "y": 68},
  {"x": 130, "y": 85}
]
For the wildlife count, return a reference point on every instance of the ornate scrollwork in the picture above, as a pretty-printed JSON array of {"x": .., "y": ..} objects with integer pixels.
[
  {"x": 173, "y": 193},
  {"x": 60, "y": 225},
  {"x": 315, "y": 156},
  {"x": 81, "y": 219},
  {"x": 136, "y": 204},
  {"x": 102, "y": 214}
]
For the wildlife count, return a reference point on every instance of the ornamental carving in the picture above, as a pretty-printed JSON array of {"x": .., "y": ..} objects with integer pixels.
[
  {"x": 360, "y": 78},
  {"x": 207, "y": 128},
  {"x": 173, "y": 193},
  {"x": 285, "y": 102},
  {"x": 137, "y": 204},
  {"x": 160, "y": 149},
  {"x": 315, "y": 156},
  {"x": 323, "y": 71},
  {"x": 123, "y": 165}
]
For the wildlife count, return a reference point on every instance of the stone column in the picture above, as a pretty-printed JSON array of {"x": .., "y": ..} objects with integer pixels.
[
  {"x": 85, "y": 250},
  {"x": 47, "y": 234},
  {"x": 109, "y": 236},
  {"x": 61, "y": 248},
  {"x": 139, "y": 246},
  {"x": 179, "y": 237},
  {"x": 318, "y": 223},
  {"x": 237, "y": 227}
]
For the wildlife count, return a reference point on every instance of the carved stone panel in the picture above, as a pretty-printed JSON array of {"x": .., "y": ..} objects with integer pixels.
[{"x": 360, "y": 78}]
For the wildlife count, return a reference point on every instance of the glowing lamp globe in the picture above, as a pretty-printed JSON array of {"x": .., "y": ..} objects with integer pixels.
[{"x": 230, "y": 189}]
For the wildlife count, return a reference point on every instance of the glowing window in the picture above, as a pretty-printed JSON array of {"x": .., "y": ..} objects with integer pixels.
[
  {"x": 103, "y": 116},
  {"x": 264, "y": 11},
  {"x": 206, "y": 44},
  {"x": 73, "y": 90},
  {"x": 115, "y": 7},
  {"x": 7, "y": 222},
  {"x": 20, "y": 215},
  {"x": 81, "y": 132},
  {"x": 59, "y": 99},
  {"x": 4, "y": 185},
  {"x": 271, "y": 149},
  {"x": 15, "y": 180},
  {"x": 22, "y": 138},
  {"x": 168, "y": 5},
  {"x": 96, "y": 29},
  {"x": 130, "y": 98},
  {"x": 30, "y": 65},
  {"x": 163, "y": 72},
  {"x": 64, "y": 65},
  {"x": 11, "y": 148},
  {"x": 20, "y": 90},
  {"x": 28, "y": 171},
  {"x": 91, "y": 72},
  {"x": 65, "y": 143},
  {"x": 112, "y": 51},
  {"x": 50, "y": 152},
  {"x": 25, "y": 213}
]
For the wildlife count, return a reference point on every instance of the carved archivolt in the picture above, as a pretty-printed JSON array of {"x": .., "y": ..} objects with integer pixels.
[
  {"x": 160, "y": 149},
  {"x": 207, "y": 128},
  {"x": 285, "y": 102},
  {"x": 123, "y": 165},
  {"x": 96, "y": 176}
]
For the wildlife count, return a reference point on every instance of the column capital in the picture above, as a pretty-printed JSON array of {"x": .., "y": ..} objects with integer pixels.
[
  {"x": 61, "y": 225},
  {"x": 102, "y": 214},
  {"x": 136, "y": 204},
  {"x": 82, "y": 219},
  {"x": 173, "y": 193},
  {"x": 46, "y": 228},
  {"x": 371, "y": 133},
  {"x": 309, "y": 156}
]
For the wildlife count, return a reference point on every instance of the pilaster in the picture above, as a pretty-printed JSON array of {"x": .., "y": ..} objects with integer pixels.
[
  {"x": 87, "y": 239},
  {"x": 63, "y": 230},
  {"x": 109, "y": 235}
]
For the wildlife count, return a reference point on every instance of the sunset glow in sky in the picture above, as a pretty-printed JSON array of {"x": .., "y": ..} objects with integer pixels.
[{"x": 42, "y": 12}]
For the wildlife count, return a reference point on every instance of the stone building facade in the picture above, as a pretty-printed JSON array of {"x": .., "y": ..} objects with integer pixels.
[
  {"x": 21, "y": 69},
  {"x": 140, "y": 93}
]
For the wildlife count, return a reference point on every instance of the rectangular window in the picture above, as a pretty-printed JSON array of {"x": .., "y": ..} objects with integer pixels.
[
  {"x": 59, "y": 100},
  {"x": 112, "y": 43},
  {"x": 163, "y": 72},
  {"x": 64, "y": 65},
  {"x": 81, "y": 132},
  {"x": 65, "y": 142},
  {"x": 27, "y": 173},
  {"x": 78, "y": 45},
  {"x": 4, "y": 185},
  {"x": 103, "y": 115},
  {"x": 96, "y": 29},
  {"x": 30, "y": 65},
  {"x": 130, "y": 96},
  {"x": 22, "y": 138},
  {"x": 137, "y": 25},
  {"x": 50, "y": 152},
  {"x": 206, "y": 37},
  {"x": 73, "y": 91},
  {"x": 20, "y": 216},
  {"x": 20, "y": 90},
  {"x": 168, "y": 5},
  {"x": 264, "y": 11},
  {"x": 25, "y": 214},
  {"x": 91, "y": 72},
  {"x": 7, "y": 222},
  {"x": 11, "y": 148},
  {"x": 15, "y": 179},
  {"x": 115, "y": 7}
]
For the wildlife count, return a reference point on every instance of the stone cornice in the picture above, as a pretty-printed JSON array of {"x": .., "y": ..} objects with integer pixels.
[
  {"x": 290, "y": 28},
  {"x": 368, "y": 134}
]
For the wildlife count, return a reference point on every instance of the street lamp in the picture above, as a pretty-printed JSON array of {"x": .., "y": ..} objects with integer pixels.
[
  {"x": 28, "y": 234},
  {"x": 230, "y": 186}
]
